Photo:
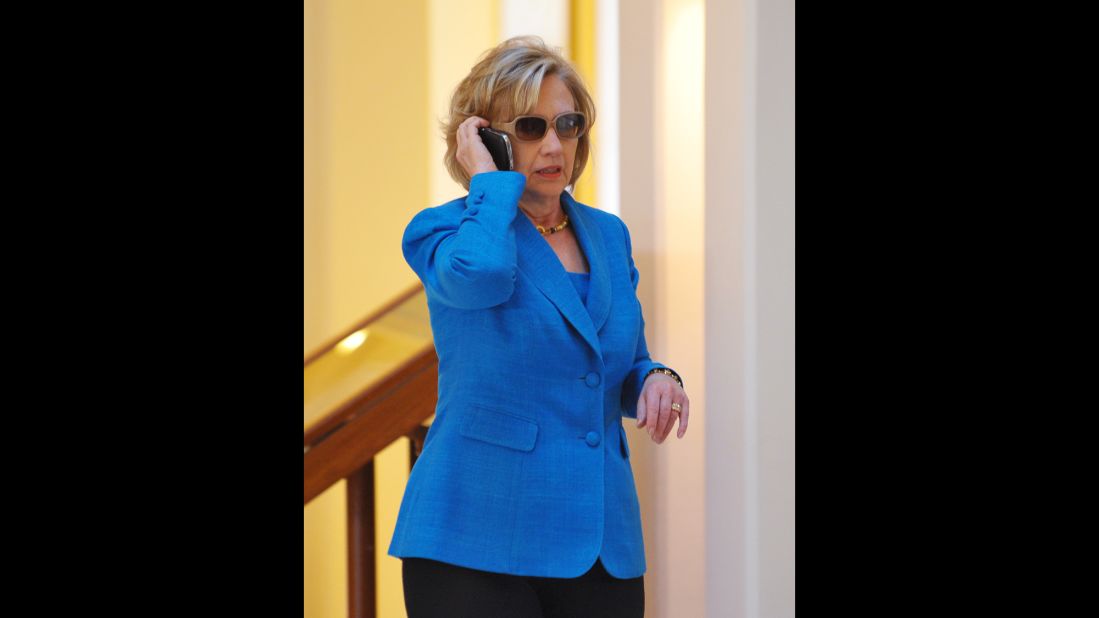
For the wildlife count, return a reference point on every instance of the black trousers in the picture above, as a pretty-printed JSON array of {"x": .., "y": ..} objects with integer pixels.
[{"x": 434, "y": 589}]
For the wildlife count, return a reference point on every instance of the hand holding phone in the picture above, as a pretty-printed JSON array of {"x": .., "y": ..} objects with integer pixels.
[{"x": 472, "y": 152}]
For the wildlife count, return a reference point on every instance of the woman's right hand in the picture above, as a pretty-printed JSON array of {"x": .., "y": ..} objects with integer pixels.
[{"x": 472, "y": 153}]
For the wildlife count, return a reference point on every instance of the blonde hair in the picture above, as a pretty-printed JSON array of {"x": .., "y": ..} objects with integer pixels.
[{"x": 506, "y": 83}]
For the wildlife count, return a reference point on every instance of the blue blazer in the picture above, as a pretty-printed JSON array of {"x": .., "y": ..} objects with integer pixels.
[{"x": 525, "y": 469}]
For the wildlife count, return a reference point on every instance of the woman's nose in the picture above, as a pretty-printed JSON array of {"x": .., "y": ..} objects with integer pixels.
[{"x": 551, "y": 143}]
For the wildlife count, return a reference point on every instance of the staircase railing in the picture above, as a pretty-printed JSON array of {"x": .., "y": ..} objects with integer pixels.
[{"x": 373, "y": 384}]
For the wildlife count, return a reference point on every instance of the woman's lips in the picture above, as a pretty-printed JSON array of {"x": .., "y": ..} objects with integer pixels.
[{"x": 550, "y": 172}]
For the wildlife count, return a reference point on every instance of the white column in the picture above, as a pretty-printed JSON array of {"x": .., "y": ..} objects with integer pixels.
[
  {"x": 680, "y": 342},
  {"x": 548, "y": 19},
  {"x": 732, "y": 478},
  {"x": 661, "y": 149},
  {"x": 639, "y": 34},
  {"x": 731, "y": 496},
  {"x": 774, "y": 173},
  {"x": 606, "y": 62},
  {"x": 750, "y": 308}
]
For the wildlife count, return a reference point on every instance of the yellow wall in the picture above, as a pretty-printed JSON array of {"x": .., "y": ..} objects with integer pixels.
[
  {"x": 459, "y": 33},
  {"x": 366, "y": 85},
  {"x": 582, "y": 52},
  {"x": 378, "y": 77},
  {"x": 377, "y": 94},
  {"x": 315, "y": 271}
]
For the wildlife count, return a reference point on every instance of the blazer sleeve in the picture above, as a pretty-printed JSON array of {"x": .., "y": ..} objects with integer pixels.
[
  {"x": 642, "y": 364},
  {"x": 469, "y": 261}
]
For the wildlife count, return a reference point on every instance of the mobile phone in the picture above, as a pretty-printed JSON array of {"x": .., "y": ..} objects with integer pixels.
[{"x": 499, "y": 146}]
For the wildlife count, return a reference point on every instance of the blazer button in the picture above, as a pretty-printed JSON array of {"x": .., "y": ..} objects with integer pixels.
[
  {"x": 592, "y": 379},
  {"x": 592, "y": 438}
]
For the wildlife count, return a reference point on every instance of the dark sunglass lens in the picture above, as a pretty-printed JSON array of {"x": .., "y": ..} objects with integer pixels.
[
  {"x": 570, "y": 125},
  {"x": 530, "y": 128}
]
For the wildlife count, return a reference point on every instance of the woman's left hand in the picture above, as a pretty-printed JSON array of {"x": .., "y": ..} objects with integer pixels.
[{"x": 654, "y": 406}]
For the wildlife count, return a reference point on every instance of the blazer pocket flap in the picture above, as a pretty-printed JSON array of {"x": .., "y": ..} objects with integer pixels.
[{"x": 499, "y": 428}]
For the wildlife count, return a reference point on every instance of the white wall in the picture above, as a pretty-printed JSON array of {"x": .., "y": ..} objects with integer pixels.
[
  {"x": 750, "y": 308},
  {"x": 774, "y": 150}
]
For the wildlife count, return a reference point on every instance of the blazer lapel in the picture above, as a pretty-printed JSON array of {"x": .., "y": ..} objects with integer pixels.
[
  {"x": 537, "y": 259},
  {"x": 591, "y": 241}
]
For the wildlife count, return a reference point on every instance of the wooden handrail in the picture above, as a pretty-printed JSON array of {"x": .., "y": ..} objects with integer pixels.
[
  {"x": 351, "y": 408},
  {"x": 343, "y": 443},
  {"x": 372, "y": 421}
]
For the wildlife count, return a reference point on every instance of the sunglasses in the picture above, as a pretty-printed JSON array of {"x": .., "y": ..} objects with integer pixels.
[{"x": 569, "y": 125}]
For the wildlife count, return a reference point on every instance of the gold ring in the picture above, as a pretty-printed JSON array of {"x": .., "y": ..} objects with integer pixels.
[{"x": 677, "y": 407}]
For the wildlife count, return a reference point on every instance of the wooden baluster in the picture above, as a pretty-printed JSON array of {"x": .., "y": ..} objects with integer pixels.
[
  {"x": 416, "y": 444},
  {"x": 362, "y": 579}
]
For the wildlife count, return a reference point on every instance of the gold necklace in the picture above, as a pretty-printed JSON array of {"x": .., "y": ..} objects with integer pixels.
[{"x": 555, "y": 229}]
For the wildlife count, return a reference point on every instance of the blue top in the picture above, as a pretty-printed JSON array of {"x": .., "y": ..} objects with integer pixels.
[{"x": 581, "y": 281}]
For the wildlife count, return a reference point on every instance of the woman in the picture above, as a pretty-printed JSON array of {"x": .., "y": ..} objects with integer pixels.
[{"x": 522, "y": 502}]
